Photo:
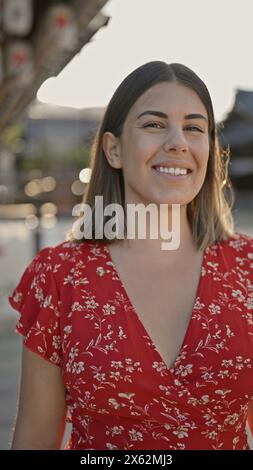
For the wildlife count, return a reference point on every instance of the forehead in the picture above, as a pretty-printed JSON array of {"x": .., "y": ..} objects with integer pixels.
[{"x": 171, "y": 98}]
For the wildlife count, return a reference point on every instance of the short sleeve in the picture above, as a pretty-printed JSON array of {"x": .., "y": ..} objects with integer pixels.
[{"x": 36, "y": 298}]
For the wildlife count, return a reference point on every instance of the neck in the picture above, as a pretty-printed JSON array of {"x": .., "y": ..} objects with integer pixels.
[{"x": 153, "y": 246}]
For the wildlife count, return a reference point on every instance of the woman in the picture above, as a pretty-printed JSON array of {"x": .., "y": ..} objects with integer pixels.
[{"x": 147, "y": 348}]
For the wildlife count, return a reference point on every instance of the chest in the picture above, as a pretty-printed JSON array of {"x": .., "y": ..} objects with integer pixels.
[
  {"x": 106, "y": 351},
  {"x": 163, "y": 299}
]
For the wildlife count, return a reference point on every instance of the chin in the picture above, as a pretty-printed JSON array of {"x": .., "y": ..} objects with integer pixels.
[{"x": 182, "y": 200}]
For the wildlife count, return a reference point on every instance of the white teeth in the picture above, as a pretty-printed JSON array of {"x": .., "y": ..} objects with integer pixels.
[{"x": 172, "y": 171}]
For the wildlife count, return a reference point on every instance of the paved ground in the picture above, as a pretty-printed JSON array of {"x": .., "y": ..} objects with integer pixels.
[
  {"x": 10, "y": 354},
  {"x": 10, "y": 346}
]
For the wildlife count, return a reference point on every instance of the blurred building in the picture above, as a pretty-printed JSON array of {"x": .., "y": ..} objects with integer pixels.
[
  {"x": 56, "y": 143},
  {"x": 57, "y": 129},
  {"x": 237, "y": 132}
]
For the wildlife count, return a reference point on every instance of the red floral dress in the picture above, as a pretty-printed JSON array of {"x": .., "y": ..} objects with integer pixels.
[{"x": 120, "y": 394}]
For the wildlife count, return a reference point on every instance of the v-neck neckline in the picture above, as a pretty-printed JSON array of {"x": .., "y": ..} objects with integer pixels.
[{"x": 142, "y": 328}]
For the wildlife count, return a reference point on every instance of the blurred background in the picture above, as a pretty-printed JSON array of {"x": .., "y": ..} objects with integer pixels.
[{"x": 60, "y": 62}]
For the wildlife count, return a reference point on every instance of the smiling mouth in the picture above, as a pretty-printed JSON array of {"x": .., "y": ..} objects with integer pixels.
[{"x": 172, "y": 173}]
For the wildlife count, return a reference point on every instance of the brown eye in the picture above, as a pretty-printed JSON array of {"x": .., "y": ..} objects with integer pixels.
[
  {"x": 194, "y": 128},
  {"x": 154, "y": 125}
]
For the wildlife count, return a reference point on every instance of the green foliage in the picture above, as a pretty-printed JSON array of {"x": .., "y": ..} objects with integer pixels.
[
  {"x": 11, "y": 137},
  {"x": 79, "y": 157},
  {"x": 76, "y": 159}
]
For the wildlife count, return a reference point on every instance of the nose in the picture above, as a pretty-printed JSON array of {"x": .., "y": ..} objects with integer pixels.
[{"x": 175, "y": 141}]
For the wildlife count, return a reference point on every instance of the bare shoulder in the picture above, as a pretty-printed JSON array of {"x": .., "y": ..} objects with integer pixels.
[{"x": 42, "y": 409}]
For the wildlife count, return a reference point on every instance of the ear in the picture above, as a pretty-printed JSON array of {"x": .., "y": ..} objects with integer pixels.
[{"x": 111, "y": 147}]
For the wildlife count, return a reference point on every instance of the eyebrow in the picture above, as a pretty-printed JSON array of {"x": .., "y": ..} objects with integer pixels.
[{"x": 165, "y": 116}]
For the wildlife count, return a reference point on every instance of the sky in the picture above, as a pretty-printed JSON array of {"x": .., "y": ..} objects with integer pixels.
[{"x": 213, "y": 37}]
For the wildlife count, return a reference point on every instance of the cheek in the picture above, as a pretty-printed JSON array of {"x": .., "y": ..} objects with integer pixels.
[
  {"x": 136, "y": 154},
  {"x": 140, "y": 145},
  {"x": 203, "y": 154}
]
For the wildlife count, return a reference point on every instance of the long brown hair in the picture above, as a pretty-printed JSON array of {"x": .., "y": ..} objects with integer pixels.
[{"x": 209, "y": 214}]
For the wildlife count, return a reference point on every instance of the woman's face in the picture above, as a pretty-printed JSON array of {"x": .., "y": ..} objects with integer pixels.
[{"x": 164, "y": 146}]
